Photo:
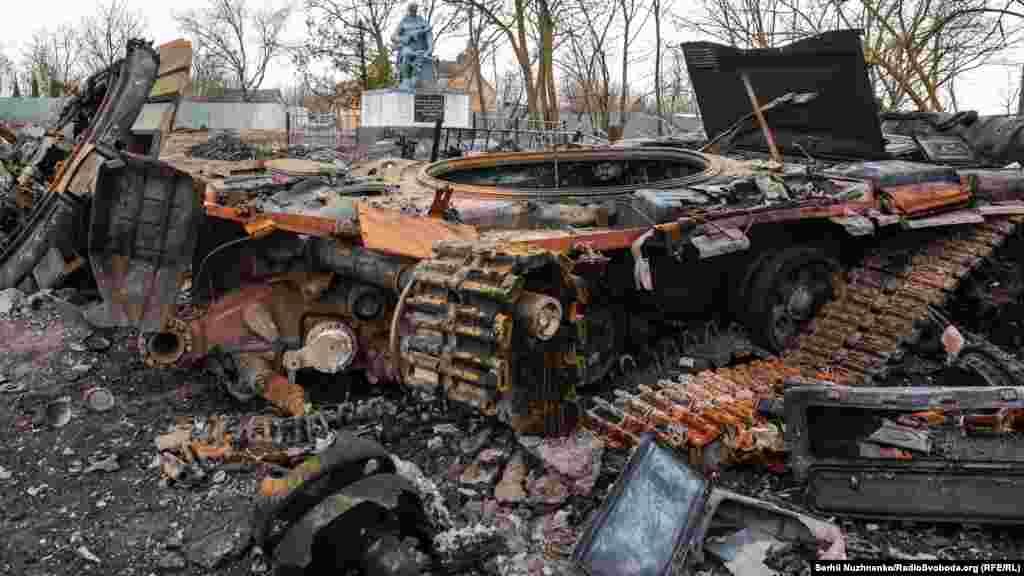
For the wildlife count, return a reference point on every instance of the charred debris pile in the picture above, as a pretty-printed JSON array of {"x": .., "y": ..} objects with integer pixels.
[{"x": 837, "y": 300}]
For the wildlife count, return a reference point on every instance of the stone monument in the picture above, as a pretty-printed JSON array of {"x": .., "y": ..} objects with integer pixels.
[
  {"x": 418, "y": 101},
  {"x": 415, "y": 41}
]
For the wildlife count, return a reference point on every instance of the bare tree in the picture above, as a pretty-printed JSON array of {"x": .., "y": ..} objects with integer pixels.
[
  {"x": 52, "y": 59},
  {"x": 678, "y": 84},
  {"x": 629, "y": 11},
  {"x": 6, "y": 68},
  {"x": 484, "y": 38},
  {"x": 106, "y": 33},
  {"x": 521, "y": 21},
  {"x": 915, "y": 48},
  {"x": 656, "y": 10},
  {"x": 295, "y": 94},
  {"x": 209, "y": 73},
  {"x": 224, "y": 31},
  {"x": 345, "y": 38},
  {"x": 584, "y": 61}
]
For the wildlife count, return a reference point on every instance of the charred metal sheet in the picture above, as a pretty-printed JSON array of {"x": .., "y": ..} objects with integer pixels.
[
  {"x": 947, "y": 150},
  {"x": 967, "y": 476},
  {"x": 948, "y": 219},
  {"x": 731, "y": 510},
  {"x": 53, "y": 223},
  {"x": 145, "y": 216},
  {"x": 392, "y": 232},
  {"x": 972, "y": 493},
  {"x": 831, "y": 64},
  {"x": 384, "y": 490},
  {"x": 649, "y": 524},
  {"x": 290, "y": 497}
]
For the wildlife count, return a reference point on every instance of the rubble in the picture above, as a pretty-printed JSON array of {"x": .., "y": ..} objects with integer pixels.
[
  {"x": 223, "y": 146},
  {"x": 563, "y": 299}
]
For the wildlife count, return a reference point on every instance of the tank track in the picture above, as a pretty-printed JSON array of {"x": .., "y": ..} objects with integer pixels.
[
  {"x": 877, "y": 316},
  {"x": 462, "y": 341},
  {"x": 881, "y": 306}
]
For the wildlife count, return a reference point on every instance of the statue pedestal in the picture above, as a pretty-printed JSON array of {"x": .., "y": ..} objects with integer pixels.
[{"x": 394, "y": 108}]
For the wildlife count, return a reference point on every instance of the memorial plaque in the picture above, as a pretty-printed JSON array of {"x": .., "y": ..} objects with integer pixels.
[{"x": 428, "y": 108}]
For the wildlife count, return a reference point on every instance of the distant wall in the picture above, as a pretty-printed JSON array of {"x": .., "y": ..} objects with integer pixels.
[
  {"x": 30, "y": 110},
  {"x": 230, "y": 115}
]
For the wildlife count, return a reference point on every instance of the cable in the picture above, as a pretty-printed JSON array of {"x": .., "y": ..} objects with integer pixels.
[{"x": 202, "y": 265}]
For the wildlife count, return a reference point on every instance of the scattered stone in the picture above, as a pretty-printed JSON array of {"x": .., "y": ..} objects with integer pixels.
[
  {"x": 872, "y": 527},
  {"x": 450, "y": 429},
  {"x": 68, "y": 451},
  {"x": 10, "y": 299},
  {"x": 578, "y": 457},
  {"x": 548, "y": 489},
  {"x": 475, "y": 473},
  {"x": 5, "y": 474},
  {"x": 107, "y": 464},
  {"x": 171, "y": 561},
  {"x": 491, "y": 456},
  {"x": 36, "y": 490},
  {"x": 219, "y": 477},
  {"x": 473, "y": 444},
  {"x": 85, "y": 553},
  {"x": 435, "y": 443},
  {"x": 510, "y": 488}
]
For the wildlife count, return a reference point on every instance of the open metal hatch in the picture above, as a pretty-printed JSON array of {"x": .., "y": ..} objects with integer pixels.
[{"x": 842, "y": 121}]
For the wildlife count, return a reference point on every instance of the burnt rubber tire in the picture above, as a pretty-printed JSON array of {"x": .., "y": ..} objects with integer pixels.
[{"x": 786, "y": 293}]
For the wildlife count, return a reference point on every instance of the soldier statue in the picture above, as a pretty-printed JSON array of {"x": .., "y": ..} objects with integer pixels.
[{"x": 415, "y": 42}]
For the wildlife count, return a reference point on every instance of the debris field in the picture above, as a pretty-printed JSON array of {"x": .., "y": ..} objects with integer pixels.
[{"x": 232, "y": 356}]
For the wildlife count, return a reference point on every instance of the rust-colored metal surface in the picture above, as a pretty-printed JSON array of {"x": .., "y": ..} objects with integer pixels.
[
  {"x": 392, "y": 232},
  {"x": 297, "y": 223},
  {"x": 912, "y": 199}
]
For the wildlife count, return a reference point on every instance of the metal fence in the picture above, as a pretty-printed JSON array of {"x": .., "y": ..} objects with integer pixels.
[{"x": 319, "y": 130}]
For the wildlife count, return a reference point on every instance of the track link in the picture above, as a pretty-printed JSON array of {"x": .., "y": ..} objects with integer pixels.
[{"x": 879, "y": 306}]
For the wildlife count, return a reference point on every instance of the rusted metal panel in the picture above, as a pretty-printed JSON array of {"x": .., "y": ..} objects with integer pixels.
[
  {"x": 145, "y": 217},
  {"x": 298, "y": 223},
  {"x": 395, "y": 233},
  {"x": 911, "y": 199}
]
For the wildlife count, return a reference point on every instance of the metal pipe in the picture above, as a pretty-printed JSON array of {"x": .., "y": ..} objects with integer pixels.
[{"x": 361, "y": 264}]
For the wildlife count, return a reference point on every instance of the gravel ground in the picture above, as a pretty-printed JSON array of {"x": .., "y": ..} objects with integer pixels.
[{"x": 87, "y": 498}]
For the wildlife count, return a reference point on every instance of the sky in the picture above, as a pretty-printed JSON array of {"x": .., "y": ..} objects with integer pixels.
[{"x": 985, "y": 90}]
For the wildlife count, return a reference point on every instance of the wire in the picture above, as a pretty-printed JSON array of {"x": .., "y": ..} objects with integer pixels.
[{"x": 202, "y": 265}]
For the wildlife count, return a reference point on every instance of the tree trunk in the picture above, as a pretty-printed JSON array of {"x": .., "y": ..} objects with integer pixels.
[
  {"x": 625, "y": 71},
  {"x": 657, "y": 63}
]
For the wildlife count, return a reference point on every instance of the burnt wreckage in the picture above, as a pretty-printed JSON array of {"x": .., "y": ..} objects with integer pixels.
[{"x": 512, "y": 282}]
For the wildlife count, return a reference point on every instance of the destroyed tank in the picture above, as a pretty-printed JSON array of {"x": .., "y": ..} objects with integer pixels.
[{"x": 516, "y": 283}]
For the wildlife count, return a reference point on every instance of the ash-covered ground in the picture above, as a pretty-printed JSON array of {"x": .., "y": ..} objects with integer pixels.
[{"x": 90, "y": 497}]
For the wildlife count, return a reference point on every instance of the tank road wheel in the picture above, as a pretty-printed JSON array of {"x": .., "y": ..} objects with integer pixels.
[{"x": 787, "y": 291}]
